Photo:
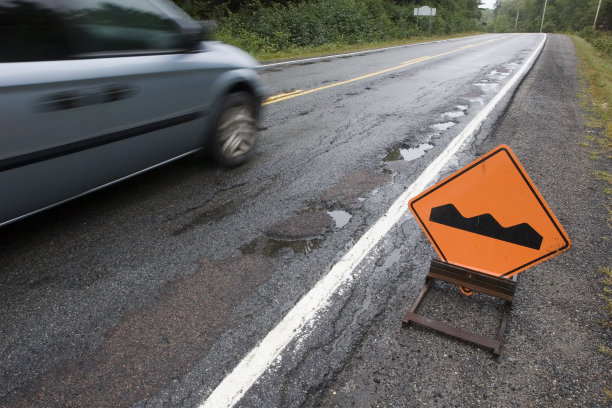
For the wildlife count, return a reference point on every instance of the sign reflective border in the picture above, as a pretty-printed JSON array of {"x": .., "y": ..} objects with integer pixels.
[{"x": 490, "y": 217}]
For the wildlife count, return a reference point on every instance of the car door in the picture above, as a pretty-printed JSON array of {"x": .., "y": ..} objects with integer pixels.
[
  {"x": 92, "y": 91},
  {"x": 149, "y": 85}
]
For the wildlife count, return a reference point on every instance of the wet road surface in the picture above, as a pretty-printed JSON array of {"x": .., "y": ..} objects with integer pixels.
[{"x": 150, "y": 292}]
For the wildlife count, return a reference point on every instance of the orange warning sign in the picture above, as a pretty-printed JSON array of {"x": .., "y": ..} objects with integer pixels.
[{"x": 490, "y": 217}]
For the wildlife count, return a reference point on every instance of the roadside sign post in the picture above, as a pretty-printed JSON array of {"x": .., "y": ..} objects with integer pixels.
[
  {"x": 468, "y": 281},
  {"x": 425, "y": 11},
  {"x": 487, "y": 222}
]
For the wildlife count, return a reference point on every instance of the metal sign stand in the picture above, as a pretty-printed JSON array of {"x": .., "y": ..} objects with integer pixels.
[{"x": 472, "y": 281}]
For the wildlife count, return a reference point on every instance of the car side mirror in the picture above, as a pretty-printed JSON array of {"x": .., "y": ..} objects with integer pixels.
[
  {"x": 196, "y": 32},
  {"x": 208, "y": 28}
]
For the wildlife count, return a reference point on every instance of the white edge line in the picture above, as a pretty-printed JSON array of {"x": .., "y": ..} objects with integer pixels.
[
  {"x": 261, "y": 357},
  {"x": 364, "y": 52}
]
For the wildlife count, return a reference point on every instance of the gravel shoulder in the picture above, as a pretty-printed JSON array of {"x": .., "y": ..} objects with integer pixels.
[{"x": 551, "y": 353}]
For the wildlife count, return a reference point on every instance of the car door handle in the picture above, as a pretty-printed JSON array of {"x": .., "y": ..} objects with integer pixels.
[
  {"x": 72, "y": 99},
  {"x": 60, "y": 101},
  {"x": 113, "y": 93}
]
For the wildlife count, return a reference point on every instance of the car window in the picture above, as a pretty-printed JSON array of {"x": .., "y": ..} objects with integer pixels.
[
  {"x": 31, "y": 31},
  {"x": 108, "y": 26}
]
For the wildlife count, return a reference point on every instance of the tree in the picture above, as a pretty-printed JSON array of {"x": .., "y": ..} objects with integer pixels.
[{"x": 561, "y": 15}]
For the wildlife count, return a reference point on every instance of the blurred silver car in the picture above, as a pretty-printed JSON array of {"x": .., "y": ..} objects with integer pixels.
[{"x": 95, "y": 91}]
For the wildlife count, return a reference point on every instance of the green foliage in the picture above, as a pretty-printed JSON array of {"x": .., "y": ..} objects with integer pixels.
[
  {"x": 261, "y": 26},
  {"x": 561, "y": 15},
  {"x": 264, "y": 27},
  {"x": 596, "y": 71},
  {"x": 603, "y": 43}
]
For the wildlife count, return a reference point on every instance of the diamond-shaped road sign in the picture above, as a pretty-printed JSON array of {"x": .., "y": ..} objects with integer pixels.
[{"x": 490, "y": 217}]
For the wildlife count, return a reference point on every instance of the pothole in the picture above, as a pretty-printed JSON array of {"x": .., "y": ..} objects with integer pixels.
[
  {"x": 354, "y": 185},
  {"x": 454, "y": 114},
  {"x": 308, "y": 224},
  {"x": 476, "y": 100},
  {"x": 499, "y": 73},
  {"x": 271, "y": 247},
  {"x": 407, "y": 154},
  {"x": 300, "y": 234},
  {"x": 443, "y": 126},
  {"x": 487, "y": 86},
  {"x": 393, "y": 155}
]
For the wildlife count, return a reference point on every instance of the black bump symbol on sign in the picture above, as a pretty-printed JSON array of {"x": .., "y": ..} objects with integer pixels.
[{"x": 487, "y": 225}]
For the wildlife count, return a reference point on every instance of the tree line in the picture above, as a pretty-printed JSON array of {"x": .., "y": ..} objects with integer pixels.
[
  {"x": 270, "y": 26},
  {"x": 560, "y": 15},
  {"x": 215, "y": 9}
]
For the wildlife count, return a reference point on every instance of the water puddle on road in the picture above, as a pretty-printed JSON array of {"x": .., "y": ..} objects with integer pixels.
[
  {"x": 341, "y": 218},
  {"x": 499, "y": 73},
  {"x": 487, "y": 86},
  {"x": 454, "y": 114},
  {"x": 409, "y": 154},
  {"x": 479, "y": 101},
  {"x": 443, "y": 126}
]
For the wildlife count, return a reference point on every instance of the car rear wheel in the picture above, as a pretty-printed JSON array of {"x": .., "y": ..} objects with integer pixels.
[{"x": 235, "y": 133}]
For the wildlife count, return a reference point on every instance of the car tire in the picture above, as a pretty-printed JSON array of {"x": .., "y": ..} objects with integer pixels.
[{"x": 235, "y": 132}]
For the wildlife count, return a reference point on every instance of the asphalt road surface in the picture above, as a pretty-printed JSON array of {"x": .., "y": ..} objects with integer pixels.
[{"x": 283, "y": 282}]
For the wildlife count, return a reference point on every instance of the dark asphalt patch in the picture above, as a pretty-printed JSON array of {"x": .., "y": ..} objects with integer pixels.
[
  {"x": 308, "y": 224},
  {"x": 271, "y": 247},
  {"x": 153, "y": 345},
  {"x": 301, "y": 233},
  {"x": 474, "y": 93},
  {"x": 354, "y": 185},
  {"x": 224, "y": 203},
  {"x": 407, "y": 153}
]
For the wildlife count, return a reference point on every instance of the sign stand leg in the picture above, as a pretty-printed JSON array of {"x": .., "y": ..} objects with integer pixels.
[{"x": 497, "y": 287}]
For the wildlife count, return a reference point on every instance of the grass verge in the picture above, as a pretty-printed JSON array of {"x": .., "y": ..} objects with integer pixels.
[
  {"x": 334, "y": 49},
  {"x": 596, "y": 73}
]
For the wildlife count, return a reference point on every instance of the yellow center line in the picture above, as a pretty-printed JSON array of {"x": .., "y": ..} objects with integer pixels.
[
  {"x": 299, "y": 92},
  {"x": 275, "y": 97}
]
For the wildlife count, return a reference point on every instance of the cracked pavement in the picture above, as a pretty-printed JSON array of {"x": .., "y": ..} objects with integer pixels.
[{"x": 148, "y": 293}]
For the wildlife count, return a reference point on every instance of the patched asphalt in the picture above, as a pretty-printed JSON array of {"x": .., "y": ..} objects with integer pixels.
[{"x": 149, "y": 292}]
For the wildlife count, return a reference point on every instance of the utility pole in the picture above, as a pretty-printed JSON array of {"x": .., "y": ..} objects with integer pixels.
[
  {"x": 543, "y": 14},
  {"x": 596, "y": 15},
  {"x": 516, "y": 21}
]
